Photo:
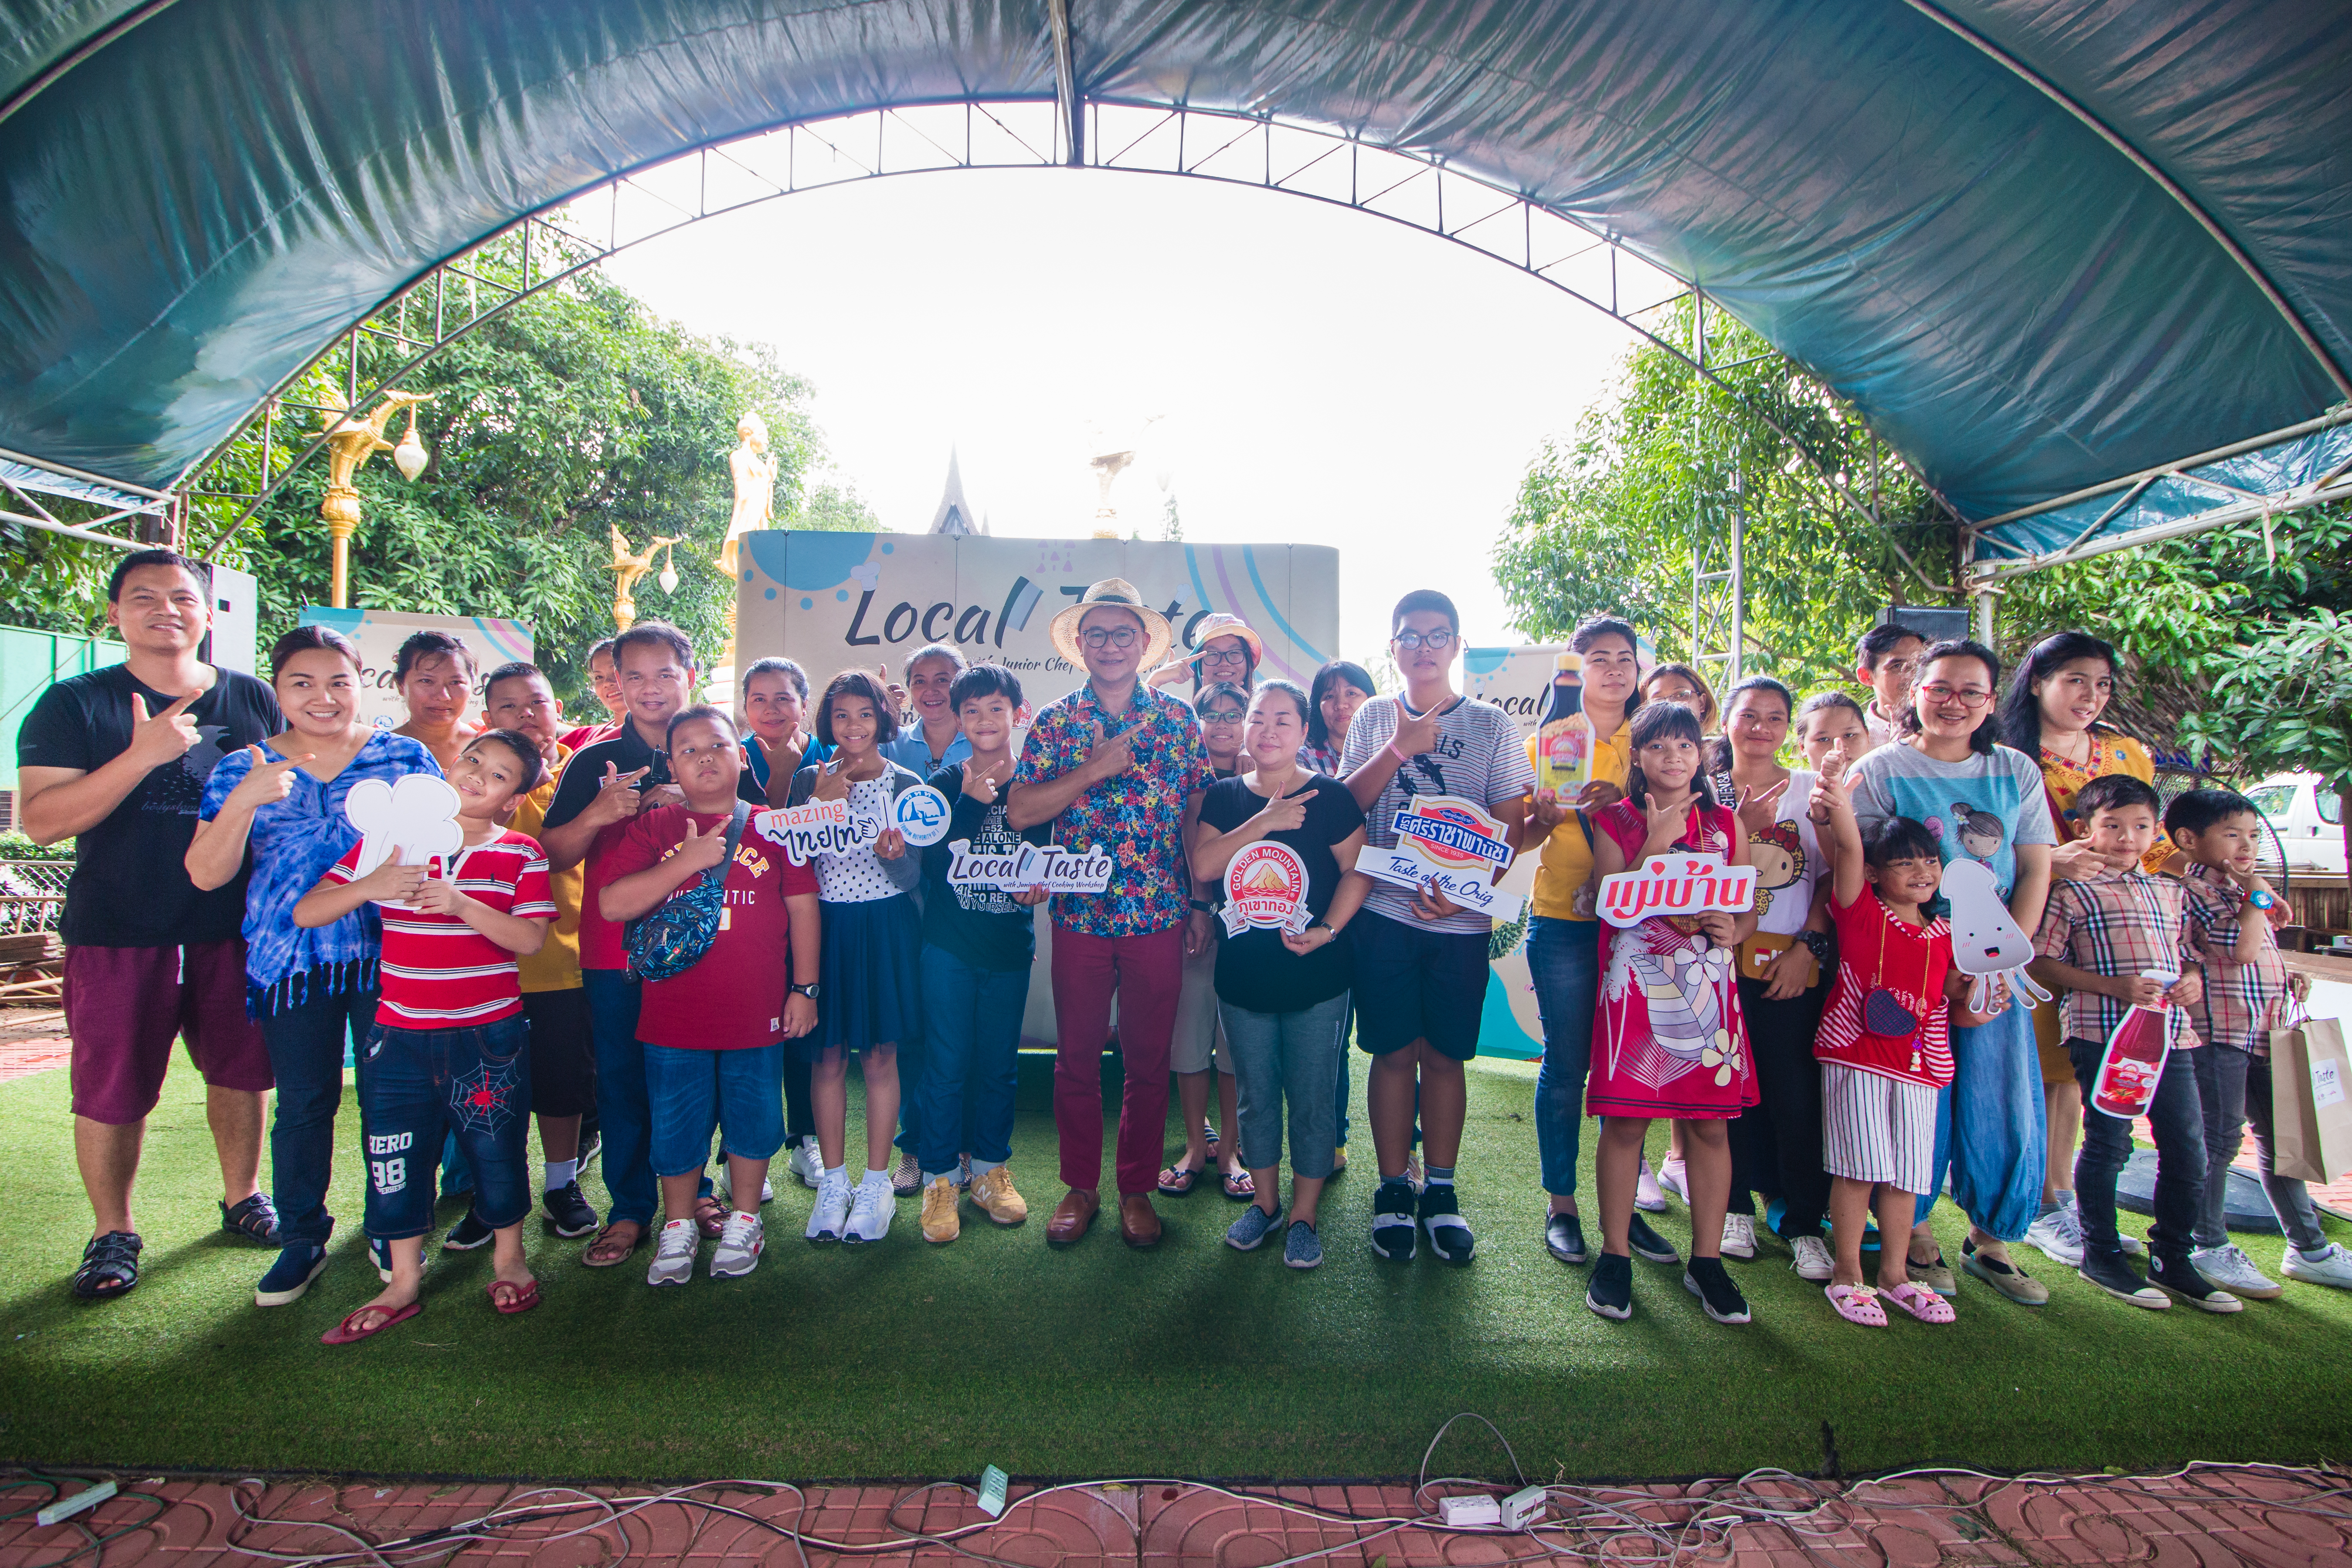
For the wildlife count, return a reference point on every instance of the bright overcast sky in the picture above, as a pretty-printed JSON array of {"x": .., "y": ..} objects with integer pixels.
[{"x": 1324, "y": 378}]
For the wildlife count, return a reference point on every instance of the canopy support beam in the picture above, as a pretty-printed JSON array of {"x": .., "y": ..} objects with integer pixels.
[{"x": 2146, "y": 166}]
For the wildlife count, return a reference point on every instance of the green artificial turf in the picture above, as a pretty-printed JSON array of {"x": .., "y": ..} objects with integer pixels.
[{"x": 904, "y": 1359}]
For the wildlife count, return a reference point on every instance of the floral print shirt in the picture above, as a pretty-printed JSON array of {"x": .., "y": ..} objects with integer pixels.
[{"x": 1138, "y": 815}]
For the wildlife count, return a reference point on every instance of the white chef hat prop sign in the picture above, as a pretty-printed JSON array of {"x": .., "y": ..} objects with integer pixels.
[
  {"x": 416, "y": 815},
  {"x": 1987, "y": 943}
]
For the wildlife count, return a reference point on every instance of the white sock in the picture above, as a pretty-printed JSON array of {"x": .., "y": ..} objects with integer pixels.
[
  {"x": 841, "y": 1170},
  {"x": 874, "y": 1175},
  {"x": 560, "y": 1174}
]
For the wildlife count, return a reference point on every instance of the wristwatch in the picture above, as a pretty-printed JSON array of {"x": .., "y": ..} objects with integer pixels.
[
  {"x": 808, "y": 990},
  {"x": 1817, "y": 943},
  {"x": 1326, "y": 925},
  {"x": 2263, "y": 899},
  {"x": 1204, "y": 906}
]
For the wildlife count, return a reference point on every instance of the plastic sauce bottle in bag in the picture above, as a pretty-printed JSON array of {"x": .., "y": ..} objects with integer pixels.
[{"x": 1564, "y": 739}]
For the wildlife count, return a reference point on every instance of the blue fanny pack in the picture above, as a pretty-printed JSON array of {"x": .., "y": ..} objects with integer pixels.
[{"x": 674, "y": 938}]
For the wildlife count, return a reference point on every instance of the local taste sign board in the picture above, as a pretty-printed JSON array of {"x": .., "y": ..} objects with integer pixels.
[
  {"x": 1449, "y": 844},
  {"x": 1046, "y": 865}
]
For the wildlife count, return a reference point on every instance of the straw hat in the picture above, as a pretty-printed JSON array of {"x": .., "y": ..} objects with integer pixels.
[
  {"x": 1222, "y": 625},
  {"x": 1120, "y": 594}
]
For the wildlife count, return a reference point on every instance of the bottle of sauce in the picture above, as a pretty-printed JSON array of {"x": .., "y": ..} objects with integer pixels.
[{"x": 1564, "y": 738}]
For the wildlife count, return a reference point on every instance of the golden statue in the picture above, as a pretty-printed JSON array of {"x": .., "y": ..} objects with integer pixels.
[
  {"x": 627, "y": 568},
  {"x": 754, "y": 473},
  {"x": 351, "y": 441}
]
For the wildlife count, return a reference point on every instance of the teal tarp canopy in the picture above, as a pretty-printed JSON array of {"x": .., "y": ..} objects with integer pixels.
[{"x": 213, "y": 193}]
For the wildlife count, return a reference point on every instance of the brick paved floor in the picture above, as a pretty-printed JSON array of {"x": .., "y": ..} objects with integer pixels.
[{"x": 2209, "y": 1519}]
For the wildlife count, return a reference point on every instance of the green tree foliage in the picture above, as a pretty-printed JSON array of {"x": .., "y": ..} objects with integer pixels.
[
  {"x": 1605, "y": 518},
  {"x": 575, "y": 412}
]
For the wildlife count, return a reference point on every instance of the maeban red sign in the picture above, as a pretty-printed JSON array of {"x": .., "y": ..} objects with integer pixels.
[{"x": 1677, "y": 884}]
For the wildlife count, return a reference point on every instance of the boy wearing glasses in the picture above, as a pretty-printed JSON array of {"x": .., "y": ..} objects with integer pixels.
[
  {"x": 1886, "y": 660},
  {"x": 1421, "y": 959}
]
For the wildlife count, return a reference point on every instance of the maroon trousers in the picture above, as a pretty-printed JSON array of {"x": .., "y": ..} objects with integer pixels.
[{"x": 1145, "y": 972}]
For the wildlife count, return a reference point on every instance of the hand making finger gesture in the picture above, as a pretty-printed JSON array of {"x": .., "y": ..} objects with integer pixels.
[
  {"x": 1664, "y": 824},
  {"x": 983, "y": 784},
  {"x": 616, "y": 798},
  {"x": 700, "y": 852},
  {"x": 265, "y": 783},
  {"x": 1414, "y": 736},
  {"x": 1111, "y": 755},
  {"x": 1284, "y": 813},
  {"x": 898, "y": 694},
  {"x": 832, "y": 778},
  {"x": 167, "y": 737},
  {"x": 1759, "y": 809}
]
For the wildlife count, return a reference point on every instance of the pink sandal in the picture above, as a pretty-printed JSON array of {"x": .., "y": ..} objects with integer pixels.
[
  {"x": 1857, "y": 1304},
  {"x": 1921, "y": 1302}
]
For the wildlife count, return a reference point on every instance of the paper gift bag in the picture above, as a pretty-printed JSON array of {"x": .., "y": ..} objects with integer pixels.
[{"x": 2311, "y": 1101}]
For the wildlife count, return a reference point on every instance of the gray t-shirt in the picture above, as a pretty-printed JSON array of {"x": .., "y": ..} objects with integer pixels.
[
  {"x": 1981, "y": 809},
  {"x": 1480, "y": 757}
]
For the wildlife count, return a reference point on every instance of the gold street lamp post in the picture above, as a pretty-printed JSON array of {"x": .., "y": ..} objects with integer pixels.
[
  {"x": 351, "y": 441},
  {"x": 628, "y": 567}
]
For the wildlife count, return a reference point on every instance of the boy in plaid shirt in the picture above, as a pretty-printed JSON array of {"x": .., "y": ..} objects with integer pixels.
[
  {"x": 2246, "y": 997},
  {"x": 2113, "y": 943}
]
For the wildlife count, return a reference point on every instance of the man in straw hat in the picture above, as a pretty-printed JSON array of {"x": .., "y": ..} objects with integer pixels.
[{"x": 1113, "y": 764}]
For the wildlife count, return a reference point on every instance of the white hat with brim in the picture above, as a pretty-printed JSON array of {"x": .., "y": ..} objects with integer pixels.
[
  {"x": 1222, "y": 625},
  {"x": 1113, "y": 592}
]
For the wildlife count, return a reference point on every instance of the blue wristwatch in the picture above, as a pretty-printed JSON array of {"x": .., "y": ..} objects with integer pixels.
[{"x": 2263, "y": 899}]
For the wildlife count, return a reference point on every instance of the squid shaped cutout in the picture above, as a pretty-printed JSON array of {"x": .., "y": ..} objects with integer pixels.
[
  {"x": 1987, "y": 943},
  {"x": 416, "y": 815}
]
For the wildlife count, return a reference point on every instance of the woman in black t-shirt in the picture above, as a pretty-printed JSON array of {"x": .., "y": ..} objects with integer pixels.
[{"x": 1283, "y": 842}]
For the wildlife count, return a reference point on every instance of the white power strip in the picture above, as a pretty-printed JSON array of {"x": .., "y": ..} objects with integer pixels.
[
  {"x": 1524, "y": 1508},
  {"x": 1460, "y": 1512}
]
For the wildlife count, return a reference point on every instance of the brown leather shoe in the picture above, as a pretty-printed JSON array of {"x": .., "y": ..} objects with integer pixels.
[
  {"x": 1072, "y": 1215},
  {"x": 1138, "y": 1222}
]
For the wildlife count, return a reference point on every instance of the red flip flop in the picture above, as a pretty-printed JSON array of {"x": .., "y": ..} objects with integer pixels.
[
  {"x": 343, "y": 1333},
  {"x": 524, "y": 1298}
]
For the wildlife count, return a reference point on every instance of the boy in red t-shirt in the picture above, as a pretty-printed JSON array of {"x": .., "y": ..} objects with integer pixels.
[
  {"x": 715, "y": 1035},
  {"x": 1884, "y": 1046},
  {"x": 450, "y": 1051}
]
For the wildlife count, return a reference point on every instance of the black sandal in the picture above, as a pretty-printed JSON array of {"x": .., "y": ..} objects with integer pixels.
[
  {"x": 255, "y": 1219},
  {"x": 110, "y": 1266}
]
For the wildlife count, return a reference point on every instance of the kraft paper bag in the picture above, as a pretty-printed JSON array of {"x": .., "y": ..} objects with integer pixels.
[{"x": 2311, "y": 1101}]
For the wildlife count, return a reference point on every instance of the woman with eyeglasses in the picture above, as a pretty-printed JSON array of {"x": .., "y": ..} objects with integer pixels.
[
  {"x": 1984, "y": 802},
  {"x": 1199, "y": 1046},
  {"x": 1224, "y": 649}
]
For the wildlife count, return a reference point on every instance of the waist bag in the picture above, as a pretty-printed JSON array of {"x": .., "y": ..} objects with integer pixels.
[{"x": 672, "y": 939}]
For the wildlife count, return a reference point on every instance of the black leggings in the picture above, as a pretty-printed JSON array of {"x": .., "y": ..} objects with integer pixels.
[{"x": 1776, "y": 1144}]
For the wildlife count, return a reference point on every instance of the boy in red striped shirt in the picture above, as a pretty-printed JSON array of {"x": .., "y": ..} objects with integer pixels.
[{"x": 449, "y": 1049}]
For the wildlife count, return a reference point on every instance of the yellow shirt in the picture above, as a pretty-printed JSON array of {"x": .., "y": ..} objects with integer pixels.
[
  {"x": 556, "y": 965},
  {"x": 1564, "y": 875},
  {"x": 2110, "y": 754}
]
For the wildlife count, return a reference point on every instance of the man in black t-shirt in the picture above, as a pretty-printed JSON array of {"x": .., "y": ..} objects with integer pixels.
[{"x": 116, "y": 760}]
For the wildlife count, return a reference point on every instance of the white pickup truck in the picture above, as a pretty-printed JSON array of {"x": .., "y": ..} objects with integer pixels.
[{"x": 2308, "y": 817}]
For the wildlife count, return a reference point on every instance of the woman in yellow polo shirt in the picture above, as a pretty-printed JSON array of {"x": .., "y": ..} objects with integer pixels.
[{"x": 1564, "y": 934}]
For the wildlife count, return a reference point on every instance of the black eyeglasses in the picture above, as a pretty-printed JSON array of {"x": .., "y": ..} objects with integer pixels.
[
  {"x": 1435, "y": 642},
  {"x": 1114, "y": 636}
]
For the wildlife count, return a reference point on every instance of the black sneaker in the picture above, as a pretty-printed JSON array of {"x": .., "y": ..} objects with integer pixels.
[
  {"x": 591, "y": 1143},
  {"x": 2112, "y": 1272},
  {"x": 290, "y": 1276},
  {"x": 1648, "y": 1244},
  {"x": 467, "y": 1234},
  {"x": 1708, "y": 1279},
  {"x": 255, "y": 1219},
  {"x": 1449, "y": 1233},
  {"x": 1610, "y": 1293},
  {"x": 1395, "y": 1236},
  {"x": 567, "y": 1210},
  {"x": 2177, "y": 1277},
  {"x": 1564, "y": 1238}
]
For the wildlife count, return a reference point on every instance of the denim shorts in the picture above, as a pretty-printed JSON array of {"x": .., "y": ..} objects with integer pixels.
[
  {"x": 421, "y": 1084},
  {"x": 739, "y": 1094}
]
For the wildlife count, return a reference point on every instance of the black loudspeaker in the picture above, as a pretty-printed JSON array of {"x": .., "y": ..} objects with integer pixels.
[{"x": 1936, "y": 623}]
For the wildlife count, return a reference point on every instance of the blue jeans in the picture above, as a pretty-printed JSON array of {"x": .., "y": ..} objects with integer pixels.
[
  {"x": 1339, "y": 1098},
  {"x": 421, "y": 1084},
  {"x": 971, "y": 1057},
  {"x": 693, "y": 1094},
  {"x": 1564, "y": 963},
  {"x": 1991, "y": 1131},
  {"x": 1285, "y": 1059},
  {"x": 306, "y": 1056},
  {"x": 622, "y": 1106},
  {"x": 2176, "y": 1116}
]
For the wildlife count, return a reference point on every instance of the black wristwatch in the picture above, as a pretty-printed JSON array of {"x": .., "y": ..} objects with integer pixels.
[
  {"x": 808, "y": 990},
  {"x": 1817, "y": 943},
  {"x": 1204, "y": 907}
]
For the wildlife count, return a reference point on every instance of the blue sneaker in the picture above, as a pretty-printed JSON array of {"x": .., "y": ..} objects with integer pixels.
[
  {"x": 380, "y": 1253},
  {"x": 1302, "y": 1248},
  {"x": 290, "y": 1276},
  {"x": 1253, "y": 1227}
]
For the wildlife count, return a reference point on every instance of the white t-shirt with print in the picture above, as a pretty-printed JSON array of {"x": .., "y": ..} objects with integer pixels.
[{"x": 1480, "y": 757}]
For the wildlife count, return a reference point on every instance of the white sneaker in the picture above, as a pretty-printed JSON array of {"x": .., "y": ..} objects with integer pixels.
[
  {"x": 2133, "y": 1246},
  {"x": 831, "y": 1215},
  {"x": 674, "y": 1258},
  {"x": 1739, "y": 1236},
  {"x": 739, "y": 1246},
  {"x": 1814, "y": 1260},
  {"x": 2333, "y": 1267},
  {"x": 1413, "y": 1172},
  {"x": 1673, "y": 1176},
  {"x": 2230, "y": 1269},
  {"x": 1646, "y": 1196},
  {"x": 807, "y": 1164},
  {"x": 2058, "y": 1235},
  {"x": 870, "y": 1216}
]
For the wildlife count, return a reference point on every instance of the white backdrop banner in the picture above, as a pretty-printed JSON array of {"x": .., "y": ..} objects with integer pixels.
[{"x": 380, "y": 632}]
